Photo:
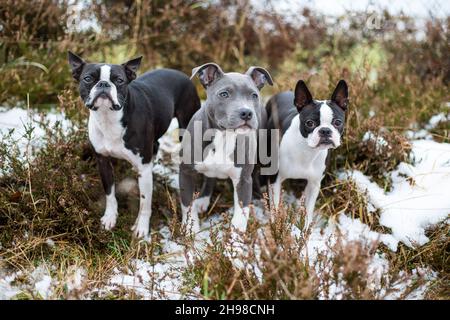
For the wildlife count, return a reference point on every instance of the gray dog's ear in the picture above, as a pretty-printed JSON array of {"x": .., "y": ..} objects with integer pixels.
[
  {"x": 76, "y": 64},
  {"x": 207, "y": 73},
  {"x": 260, "y": 76},
  {"x": 131, "y": 67},
  {"x": 340, "y": 95}
]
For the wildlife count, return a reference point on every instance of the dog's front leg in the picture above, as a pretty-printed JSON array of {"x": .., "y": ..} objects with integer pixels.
[
  {"x": 242, "y": 199},
  {"x": 275, "y": 191},
  {"x": 142, "y": 225},
  {"x": 311, "y": 193},
  {"x": 107, "y": 175},
  {"x": 189, "y": 206}
]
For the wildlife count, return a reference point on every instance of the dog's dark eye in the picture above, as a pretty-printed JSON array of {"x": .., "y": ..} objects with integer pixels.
[
  {"x": 119, "y": 81},
  {"x": 88, "y": 79},
  {"x": 310, "y": 123},
  {"x": 255, "y": 95},
  {"x": 224, "y": 94},
  {"x": 337, "y": 122}
]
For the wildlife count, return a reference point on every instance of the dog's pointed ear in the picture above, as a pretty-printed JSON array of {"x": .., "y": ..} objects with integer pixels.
[
  {"x": 207, "y": 73},
  {"x": 302, "y": 95},
  {"x": 260, "y": 76},
  {"x": 131, "y": 67},
  {"x": 340, "y": 95},
  {"x": 76, "y": 64}
]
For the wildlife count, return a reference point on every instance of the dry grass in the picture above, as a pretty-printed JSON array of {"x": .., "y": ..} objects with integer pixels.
[
  {"x": 50, "y": 210},
  {"x": 272, "y": 269}
]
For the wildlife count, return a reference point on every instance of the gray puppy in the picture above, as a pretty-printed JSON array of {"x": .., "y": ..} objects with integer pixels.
[{"x": 220, "y": 141}]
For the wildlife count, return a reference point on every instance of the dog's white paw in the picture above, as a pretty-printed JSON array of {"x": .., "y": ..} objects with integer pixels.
[
  {"x": 240, "y": 219},
  {"x": 202, "y": 204},
  {"x": 108, "y": 220},
  {"x": 141, "y": 228},
  {"x": 239, "y": 223}
]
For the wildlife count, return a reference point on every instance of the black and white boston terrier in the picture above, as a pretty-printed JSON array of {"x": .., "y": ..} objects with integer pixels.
[
  {"x": 309, "y": 130},
  {"x": 215, "y": 145},
  {"x": 127, "y": 116}
]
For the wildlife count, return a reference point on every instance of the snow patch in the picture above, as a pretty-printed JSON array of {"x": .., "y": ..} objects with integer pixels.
[
  {"x": 149, "y": 281},
  {"x": 18, "y": 121},
  {"x": 42, "y": 281},
  {"x": 420, "y": 196},
  {"x": 432, "y": 124},
  {"x": 24, "y": 130},
  {"x": 380, "y": 142},
  {"x": 8, "y": 289}
]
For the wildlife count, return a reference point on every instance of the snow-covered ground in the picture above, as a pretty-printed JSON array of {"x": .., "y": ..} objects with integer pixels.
[
  {"x": 24, "y": 124},
  {"x": 419, "y": 199},
  {"x": 24, "y": 130},
  {"x": 420, "y": 195}
]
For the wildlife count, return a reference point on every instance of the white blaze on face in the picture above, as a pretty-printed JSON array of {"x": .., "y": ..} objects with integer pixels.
[
  {"x": 326, "y": 121},
  {"x": 105, "y": 75}
]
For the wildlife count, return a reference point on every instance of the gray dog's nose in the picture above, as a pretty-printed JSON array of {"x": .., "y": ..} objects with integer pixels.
[
  {"x": 325, "y": 132},
  {"x": 245, "y": 114},
  {"x": 103, "y": 84}
]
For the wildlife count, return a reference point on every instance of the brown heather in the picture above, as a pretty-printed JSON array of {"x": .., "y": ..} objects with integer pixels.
[{"x": 59, "y": 195}]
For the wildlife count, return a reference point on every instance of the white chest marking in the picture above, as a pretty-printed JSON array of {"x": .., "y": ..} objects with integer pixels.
[
  {"x": 106, "y": 135},
  {"x": 297, "y": 159},
  {"x": 219, "y": 162}
]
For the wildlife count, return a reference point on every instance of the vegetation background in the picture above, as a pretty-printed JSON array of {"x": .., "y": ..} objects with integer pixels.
[{"x": 398, "y": 71}]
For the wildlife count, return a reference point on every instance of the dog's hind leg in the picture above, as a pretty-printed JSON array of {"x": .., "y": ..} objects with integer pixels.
[
  {"x": 155, "y": 147},
  {"x": 187, "y": 106},
  {"x": 204, "y": 199},
  {"x": 107, "y": 175}
]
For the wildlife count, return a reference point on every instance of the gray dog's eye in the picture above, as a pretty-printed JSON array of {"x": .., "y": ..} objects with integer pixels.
[
  {"x": 337, "y": 122},
  {"x": 224, "y": 94},
  {"x": 255, "y": 95},
  {"x": 88, "y": 79},
  {"x": 310, "y": 123},
  {"x": 119, "y": 80}
]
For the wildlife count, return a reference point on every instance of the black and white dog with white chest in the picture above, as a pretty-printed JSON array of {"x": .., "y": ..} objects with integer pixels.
[
  {"x": 309, "y": 130},
  {"x": 127, "y": 116}
]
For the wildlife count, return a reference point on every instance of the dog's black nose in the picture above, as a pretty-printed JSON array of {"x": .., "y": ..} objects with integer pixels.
[
  {"x": 245, "y": 114},
  {"x": 103, "y": 84},
  {"x": 325, "y": 132}
]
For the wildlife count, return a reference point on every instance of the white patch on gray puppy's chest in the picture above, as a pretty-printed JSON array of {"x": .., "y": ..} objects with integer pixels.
[{"x": 219, "y": 161}]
